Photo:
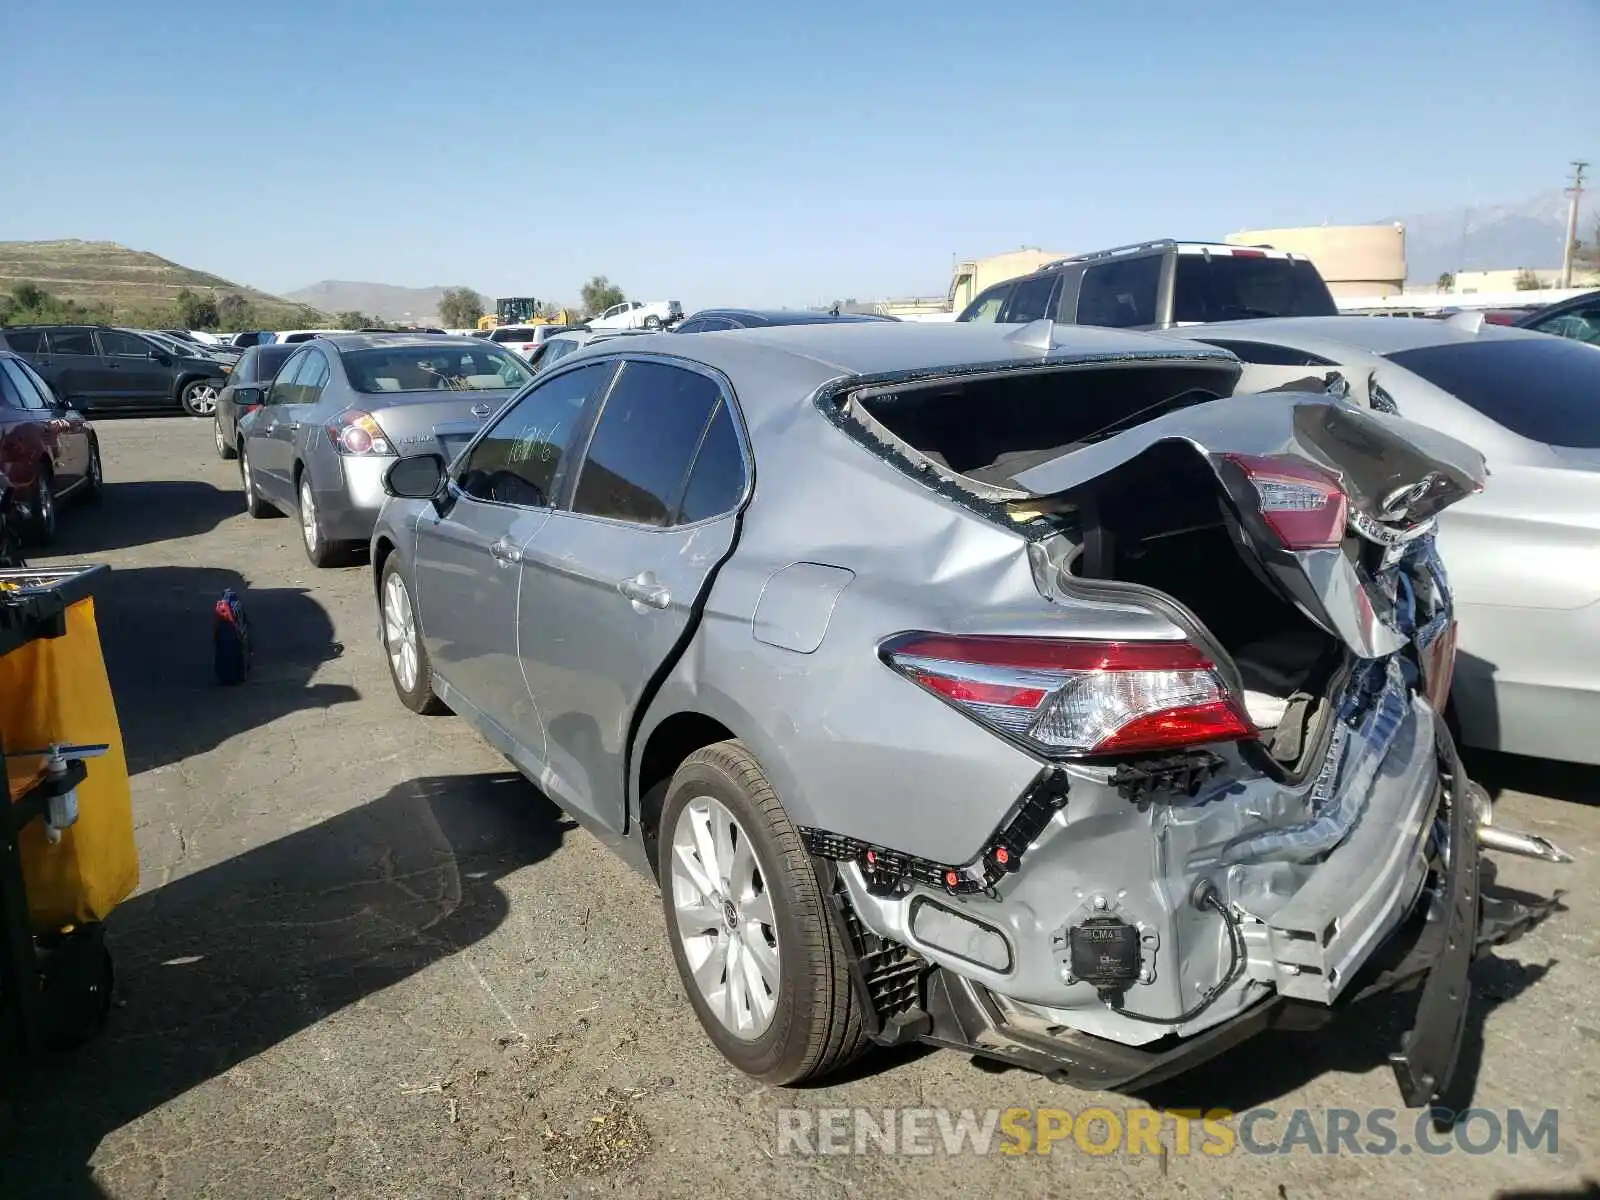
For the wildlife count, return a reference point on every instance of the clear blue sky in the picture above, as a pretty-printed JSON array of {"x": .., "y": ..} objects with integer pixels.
[{"x": 761, "y": 152}]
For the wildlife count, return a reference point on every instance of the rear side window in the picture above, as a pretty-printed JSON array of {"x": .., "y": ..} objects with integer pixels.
[
  {"x": 643, "y": 445},
  {"x": 1120, "y": 294},
  {"x": 1540, "y": 388},
  {"x": 987, "y": 305},
  {"x": 716, "y": 482},
  {"x": 71, "y": 341},
  {"x": 1223, "y": 287},
  {"x": 1030, "y": 299},
  {"x": 25, "y": 341}
]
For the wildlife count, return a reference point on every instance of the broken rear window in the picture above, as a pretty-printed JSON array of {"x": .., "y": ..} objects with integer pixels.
[{"x": 993, "y": 428}]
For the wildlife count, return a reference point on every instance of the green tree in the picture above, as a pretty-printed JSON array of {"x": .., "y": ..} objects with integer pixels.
[
  {"x": 1447, "y": 282},
  {"x": 233, "y": 312},
  {"x": 351, "y": 320},
  {"x": 1527, "y": 281},
  {"x": 460, "y": 308},
  {"x": 195, "y": 311},
  {"x": 600, "y": 294}
]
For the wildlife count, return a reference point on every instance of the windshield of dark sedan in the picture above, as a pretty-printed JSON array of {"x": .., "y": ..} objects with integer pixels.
[
  {"x": 462, "y": 368},
  {"x": 1543, "y": 388}
]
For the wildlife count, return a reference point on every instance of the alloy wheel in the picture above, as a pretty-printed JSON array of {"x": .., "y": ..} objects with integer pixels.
[
  {"x": 400, "y": 632},
  {"x": 725, "y": 919},
  {"x": 45, "y": 506},
  {"x": 308, "y": 516},
  {"x": 247, "y": 478},
  {"x": 216, "y": 432},
  {"x": 202, "y": 401}
]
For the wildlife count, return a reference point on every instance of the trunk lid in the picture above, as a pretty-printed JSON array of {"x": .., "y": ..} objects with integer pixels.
[{"x": 431, "y": 424}]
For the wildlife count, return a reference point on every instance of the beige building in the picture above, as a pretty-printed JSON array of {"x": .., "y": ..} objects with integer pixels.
[
  {"x": 1468, "y": 282},
  {"x": 970, "y": 278},
  {"x": 1356, "y": 260}
]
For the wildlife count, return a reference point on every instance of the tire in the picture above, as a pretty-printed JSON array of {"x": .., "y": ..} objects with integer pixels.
[
  {"x": 652, "y": 322},
  {"x": 224, "y": 451},
  {"x": 253, "y": 503},
  {"x": 319, "y": 550},
  {"x": 397, "y": 618},
  {"x": 814, "y": 1022},
  {"x": 199, "y": 397},
  {"x": 45, "y": 519},
  {"x": 94, "y": 483}
]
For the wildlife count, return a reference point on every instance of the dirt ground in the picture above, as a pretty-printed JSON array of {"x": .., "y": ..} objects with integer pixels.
[{"x": 367, "y": 959}]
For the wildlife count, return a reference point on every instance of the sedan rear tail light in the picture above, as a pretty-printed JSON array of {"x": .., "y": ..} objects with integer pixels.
[
  {"x": 355, "y": 432},
  {"x": 1071, "y": 697},
  {"x": 1303, "y": 504}
]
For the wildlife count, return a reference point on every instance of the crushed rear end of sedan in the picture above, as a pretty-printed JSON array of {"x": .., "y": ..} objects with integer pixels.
[{"x": 1117, "y": 737}]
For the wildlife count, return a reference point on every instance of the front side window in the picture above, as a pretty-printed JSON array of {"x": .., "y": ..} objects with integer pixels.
[
  {"x": 19, "y": 390},
  {"x": 1120, "y": 294},
  {"x": 47, "y": 397},
  {"x": 1030, "y": 299},
  {"x": 987, "y": 306},
  {"x": 71, "y": 341},
  {"x": 523, "y": 458},
  {"x": 463, "y": 368},
  {"x": 638, "y": 459}
]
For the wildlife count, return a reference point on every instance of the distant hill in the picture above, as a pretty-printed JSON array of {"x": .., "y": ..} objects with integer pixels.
[
  {"x": 418, "y": 306},
  {"x": 1492, "y": 237},
  {"x": 105, "y": 274}
]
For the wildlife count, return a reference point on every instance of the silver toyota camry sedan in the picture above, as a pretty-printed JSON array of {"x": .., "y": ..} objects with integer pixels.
[
  {"x": 314, "y": 443},
  {"x": 1067, "y": 696}
]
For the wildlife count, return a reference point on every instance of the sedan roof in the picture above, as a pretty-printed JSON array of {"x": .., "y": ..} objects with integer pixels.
[{"x": 345, "y": 342}]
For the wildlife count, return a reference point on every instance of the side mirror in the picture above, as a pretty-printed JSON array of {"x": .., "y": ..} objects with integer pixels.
[
  {"x": 416, "y": 477},
  {"x": 249, "y": 397}
]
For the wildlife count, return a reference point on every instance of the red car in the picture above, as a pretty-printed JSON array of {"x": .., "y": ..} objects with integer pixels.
[{"x": 47, "y": 451}]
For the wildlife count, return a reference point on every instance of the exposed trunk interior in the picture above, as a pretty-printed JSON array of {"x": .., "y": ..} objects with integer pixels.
[{"x": 1160, "y": 522}]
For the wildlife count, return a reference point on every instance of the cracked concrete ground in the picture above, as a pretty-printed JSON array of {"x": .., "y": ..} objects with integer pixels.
[{"x": 368, "y": 960}]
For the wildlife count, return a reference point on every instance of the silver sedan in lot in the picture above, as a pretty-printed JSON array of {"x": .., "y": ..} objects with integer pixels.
[
  {"x": 343, "y": 408},
  {"x": 1524, "y": 556},
  {"x": 1040, "y": 693}
]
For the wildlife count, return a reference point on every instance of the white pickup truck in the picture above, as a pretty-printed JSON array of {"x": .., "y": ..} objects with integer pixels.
[{"x": 640, "y": 314}]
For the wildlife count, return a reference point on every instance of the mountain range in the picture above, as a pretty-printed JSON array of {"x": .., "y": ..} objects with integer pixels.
[
  {"x": 418, "y": 306},
  {"x": 1493, "y": 236}
]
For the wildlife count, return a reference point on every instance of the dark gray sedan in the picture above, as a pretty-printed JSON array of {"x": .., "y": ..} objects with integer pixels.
[{"x": 342, "y": 409}]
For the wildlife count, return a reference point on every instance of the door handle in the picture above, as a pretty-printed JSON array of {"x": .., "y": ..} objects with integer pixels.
[
  {"x": 504, "y": 551},
  {"x": 643, "y": 589}
]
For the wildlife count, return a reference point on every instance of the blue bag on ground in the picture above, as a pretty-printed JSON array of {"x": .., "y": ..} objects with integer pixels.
[{"x": 230, "y": 639}]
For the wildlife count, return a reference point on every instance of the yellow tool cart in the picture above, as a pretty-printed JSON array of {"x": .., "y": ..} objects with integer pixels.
[{"x": 67, "y": 852}]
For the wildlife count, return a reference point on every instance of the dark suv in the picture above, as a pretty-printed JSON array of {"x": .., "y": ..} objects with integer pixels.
[
  {"x": 1155, "y": 285},
  {"x": 96, "y": 367}
]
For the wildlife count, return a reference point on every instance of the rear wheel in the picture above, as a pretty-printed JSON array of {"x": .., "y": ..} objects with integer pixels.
[
  {"x": 253, "y": 503},
  {"x": 321, "y": 551},
  {"x": 402, "y": 642},
  {"x": 94, "y": 480},
  {"x": 759, "y": 955},
  {"x": 199, "y": 398},
  {"x": 224, "y": 451},
  {"x": 652, "y": 322},
  {"x": 42, "y": 530}
]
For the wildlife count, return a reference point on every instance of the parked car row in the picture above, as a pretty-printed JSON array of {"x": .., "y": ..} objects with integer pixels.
[{"x": 98, "y": 367}]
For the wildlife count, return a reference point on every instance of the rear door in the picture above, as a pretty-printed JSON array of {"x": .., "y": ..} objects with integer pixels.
[
  {"x": 467, "y": 557},
  {"x": 609, "y": 587},
  {"x": 135, "y": 379},
  {"x": 71, "y": 361},
  {"x": 1121, "y": 293}
]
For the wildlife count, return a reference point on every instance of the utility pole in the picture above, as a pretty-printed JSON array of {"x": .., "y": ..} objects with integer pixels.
[{"x": 1576, "y": 192}]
